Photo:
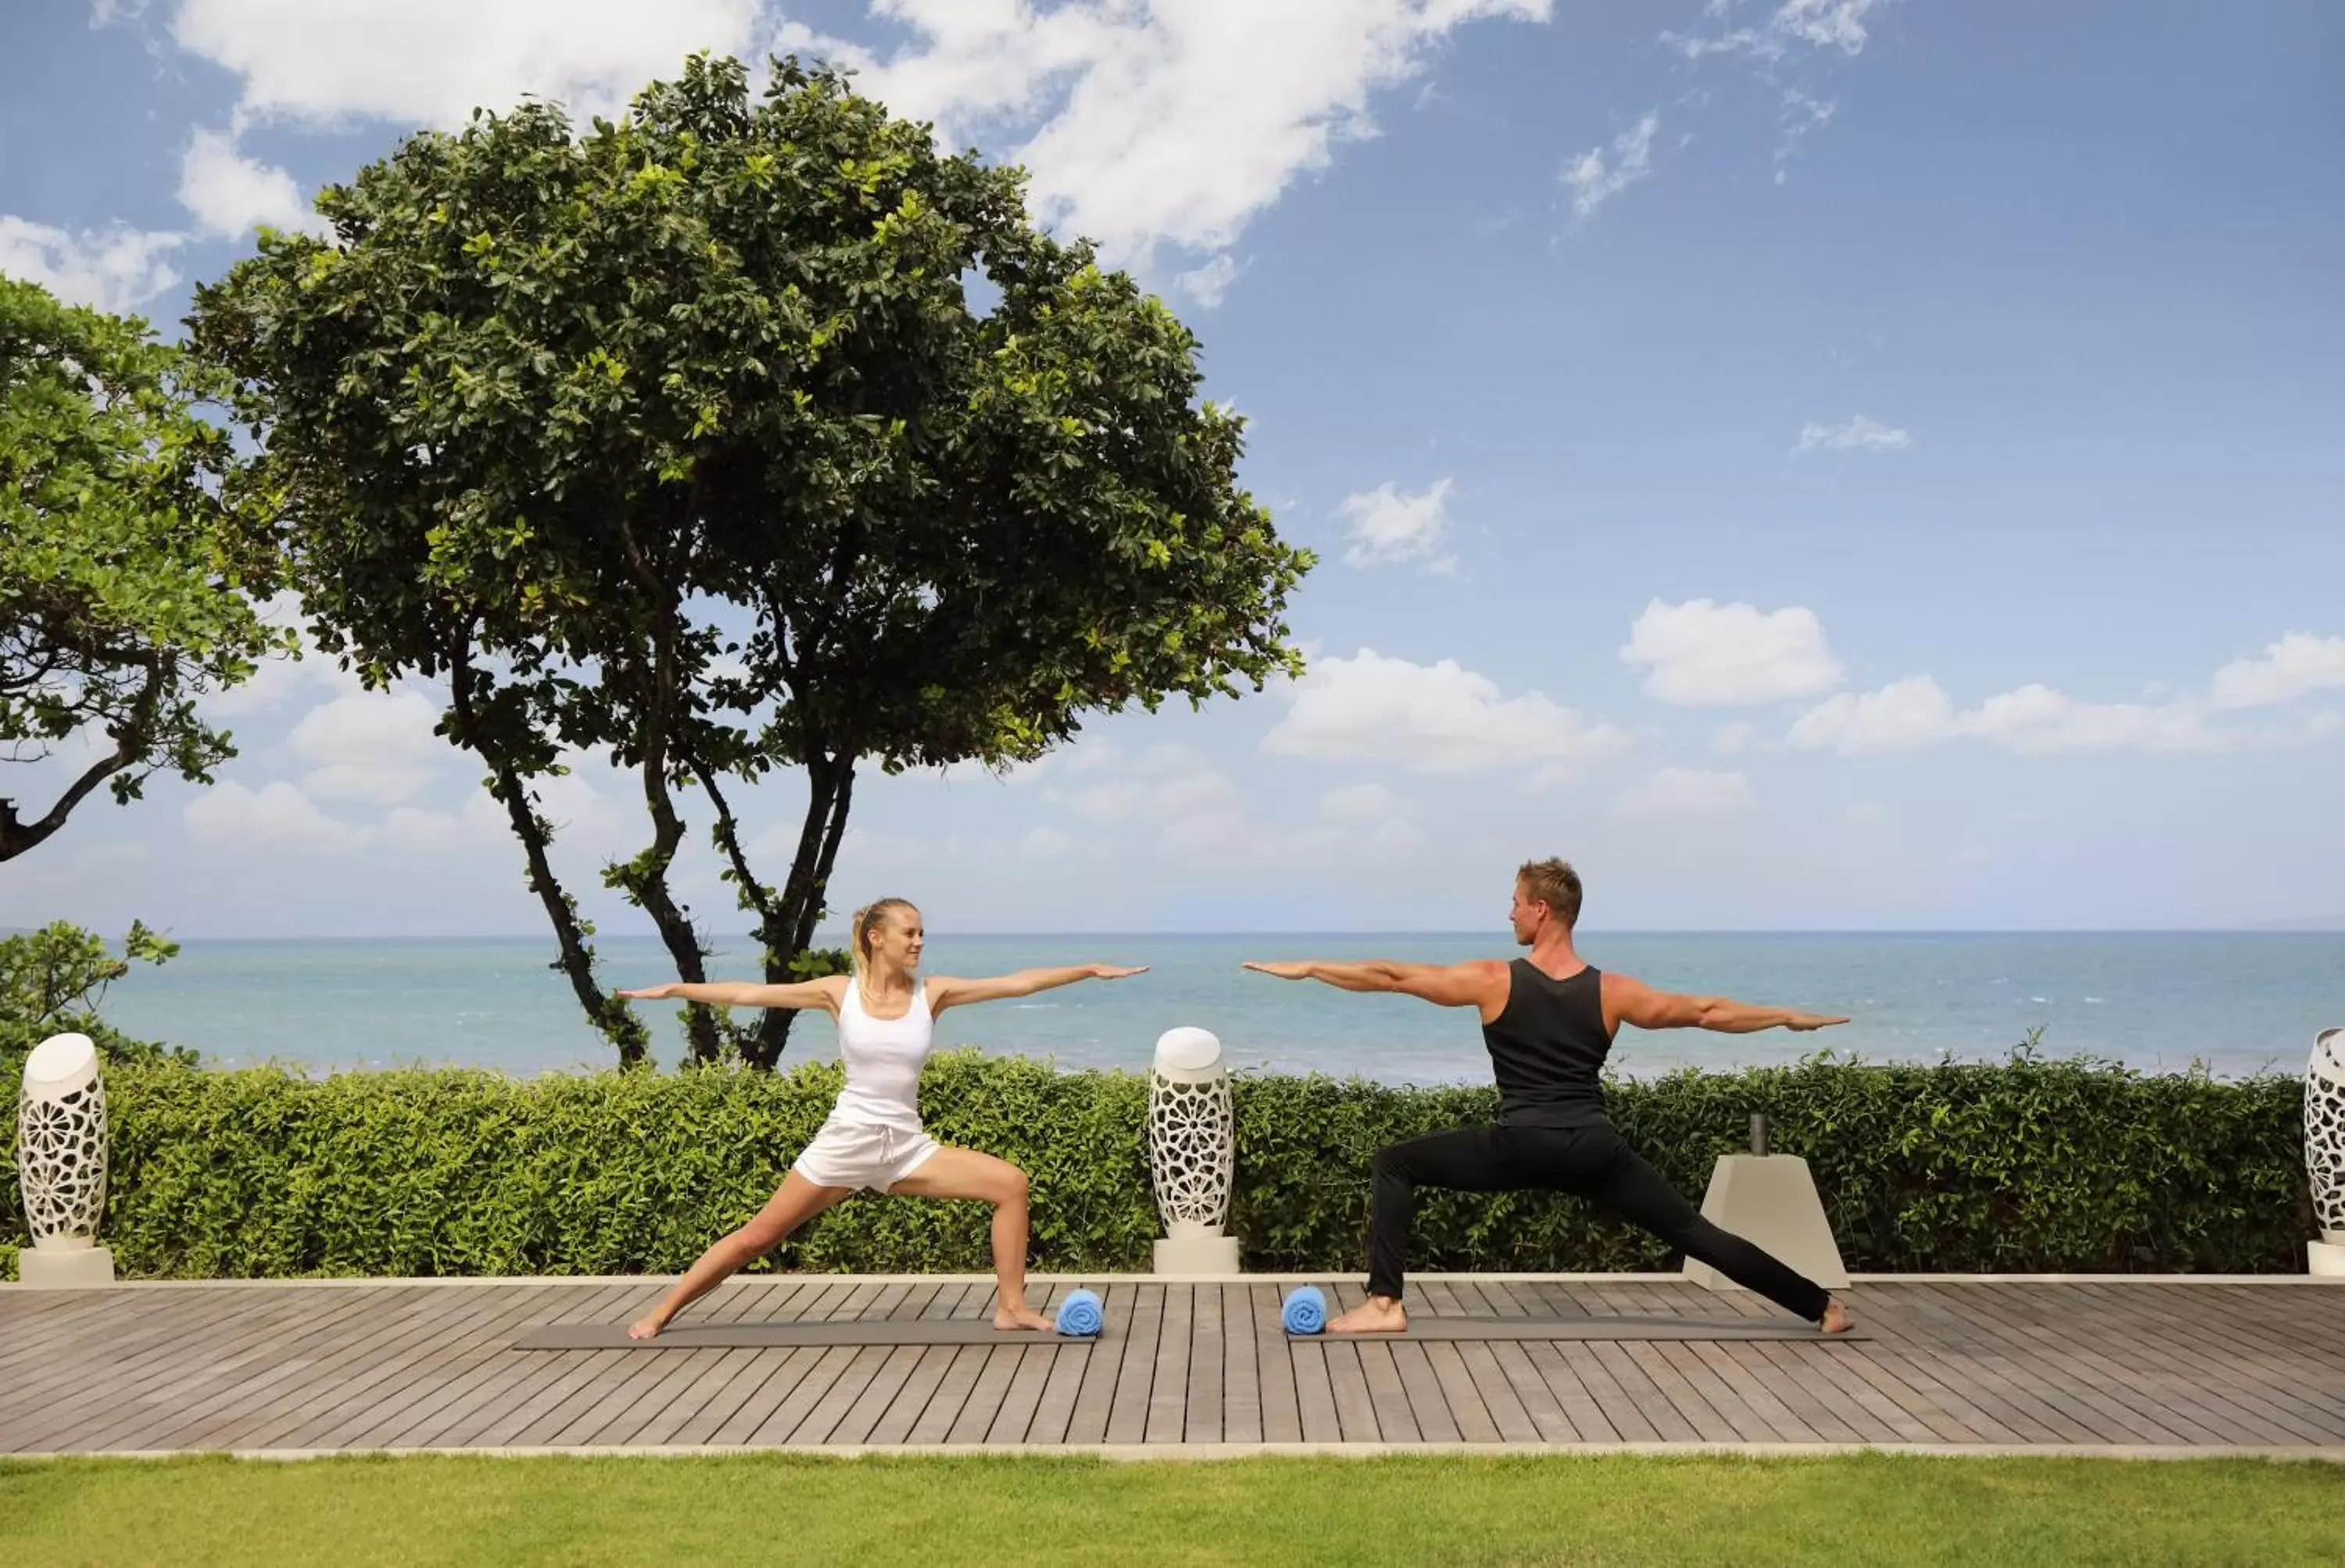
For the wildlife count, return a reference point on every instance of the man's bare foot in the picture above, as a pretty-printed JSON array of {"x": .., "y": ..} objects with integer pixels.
[
  {"x": 1836, "y": 1319},
  {"x": 646, "y": 1327},
  {"x": 1022, "y": 1316},
  {"x": 1376, "y": 1315}
]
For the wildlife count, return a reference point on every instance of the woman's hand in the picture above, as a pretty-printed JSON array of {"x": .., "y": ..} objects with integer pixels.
[
  {"x": 653, "y": 993},
  {"x": 1109, "y": 971},
  {"x": 1280, "y": 970}
]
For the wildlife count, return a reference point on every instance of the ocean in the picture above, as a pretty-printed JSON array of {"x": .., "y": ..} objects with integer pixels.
[{"x": 2240, "y": 1004}]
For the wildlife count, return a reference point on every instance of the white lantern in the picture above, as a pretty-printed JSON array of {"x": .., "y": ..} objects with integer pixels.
[
  {"x": 61, "y": 1164},
  {"x": 2324, "y": 1150},
  {"x": 1193, "y": 1153}
]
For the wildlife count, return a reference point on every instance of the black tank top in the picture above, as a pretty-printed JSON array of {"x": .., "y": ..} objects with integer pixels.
[{"x": 1548, "y": 1046}]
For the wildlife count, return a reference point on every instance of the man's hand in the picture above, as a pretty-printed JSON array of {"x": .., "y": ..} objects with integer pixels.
[
  {"x": 1801, "y": 1022},
  {"x": 1109, "y": 971},
  {"x": 1280, "y": 970}
]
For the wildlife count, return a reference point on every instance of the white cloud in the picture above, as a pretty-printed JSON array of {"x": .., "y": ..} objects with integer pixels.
[
  {"x": 2298, "y": 664},
  {"x": 1686, "y": 794},
  {"x": 376, "y": 747},
  {"x": 1706, "y": 655},
  {"x": 1359, "y": 804},
  {"x": 1044, "y": 844},
  {"x": 116, "y": 269},
  {"x": 1733, "y": 739},
  {"x": 1797, "y": 26},
  {"x": 1164, "y": 122},
  {"x": 1801, "y": 114},
  {"x": 2037, "y": 721},
  {"x": 1389, "y": 527},
  {"x": 432, "y": 61},
  {"x": 1209, "y": 284},
  {"x": 1142, "y": 122},
  {"x": 276, "y": 816},
  {"x": 1593, "y": 180},
  {"x": 1858, "y": 432},
  {"x": 228, "y": 193},
  {"x": 1430, "y": 719},
  {"x": 1901, "y": 715},
  {"x": 1171, "y": 784},
  {"x": 279, "y": 680}
]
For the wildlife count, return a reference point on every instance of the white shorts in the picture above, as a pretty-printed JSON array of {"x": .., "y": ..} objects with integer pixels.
[{"x": 850, "y": 1154}]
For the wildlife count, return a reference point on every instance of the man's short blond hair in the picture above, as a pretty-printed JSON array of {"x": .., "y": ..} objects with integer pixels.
[{"x": 1554, "y": 883}]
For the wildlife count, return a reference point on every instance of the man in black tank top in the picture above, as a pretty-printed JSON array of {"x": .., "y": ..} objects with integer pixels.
[{"x": 1549, "y": 1021}]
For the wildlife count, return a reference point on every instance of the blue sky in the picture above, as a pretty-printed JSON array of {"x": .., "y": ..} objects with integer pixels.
[{"x": 1842, "y": 463}]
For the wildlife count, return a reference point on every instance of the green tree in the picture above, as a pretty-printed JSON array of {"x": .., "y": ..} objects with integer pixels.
[
  {"x": 126, "y": 566},
  {"x": 680, "y": 440},
  {"x": 51, "y": 983}
]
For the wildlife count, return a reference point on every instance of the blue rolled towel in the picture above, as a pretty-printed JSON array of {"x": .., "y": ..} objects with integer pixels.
[
  {"x": 1305, "y": 1311},
  {"x": 1079, "y": 1315}
]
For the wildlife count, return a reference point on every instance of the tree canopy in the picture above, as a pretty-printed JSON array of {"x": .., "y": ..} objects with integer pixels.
[
  {"x": 681, "y": 439},
  {"x": 128, "y": 570}
]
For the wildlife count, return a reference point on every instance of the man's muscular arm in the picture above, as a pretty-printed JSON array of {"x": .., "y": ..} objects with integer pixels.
[{"x": 1628, "y": 1001}]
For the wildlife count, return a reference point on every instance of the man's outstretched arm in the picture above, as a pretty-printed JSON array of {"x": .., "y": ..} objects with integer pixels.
[
  {"x": 1633, "y": 1001},
  {"x": 1473, "y": 985}
]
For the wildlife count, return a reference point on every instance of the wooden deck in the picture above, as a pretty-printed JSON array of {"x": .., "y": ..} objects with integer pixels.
[{"x": 2100, "y": 1365}]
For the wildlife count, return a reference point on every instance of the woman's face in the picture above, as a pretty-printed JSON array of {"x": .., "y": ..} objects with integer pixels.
[{"x": 896, "y": 939}]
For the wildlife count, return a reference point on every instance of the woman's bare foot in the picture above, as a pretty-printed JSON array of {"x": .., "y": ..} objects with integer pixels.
[
  {"x": 1836, "y": 1319},
  {"x": 1376, "y": 1315},
  {"x": 1022, "y": 1316},
  {"x": 646, "y": 1327}
]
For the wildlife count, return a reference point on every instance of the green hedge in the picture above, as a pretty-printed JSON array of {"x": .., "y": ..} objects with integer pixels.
[{"x": 2027, "y": 1166}]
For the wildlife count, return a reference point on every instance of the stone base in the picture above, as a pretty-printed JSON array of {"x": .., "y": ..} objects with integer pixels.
[
  {"x": 2325, "y": 1259},
  {"x": 1193, "y": 1254},
  {"x": 83, "y": 1267},
  {"x": 1770, "y": 1201}
]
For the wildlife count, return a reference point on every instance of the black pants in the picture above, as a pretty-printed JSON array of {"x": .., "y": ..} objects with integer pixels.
[{"x": 1593, "y": 1162}]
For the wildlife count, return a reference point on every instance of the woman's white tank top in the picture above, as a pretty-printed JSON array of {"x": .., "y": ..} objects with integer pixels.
[{"x": 883, "y": 1057}]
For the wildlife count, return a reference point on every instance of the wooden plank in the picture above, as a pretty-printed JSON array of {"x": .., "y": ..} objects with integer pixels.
[
  {"x": 1670, "y": 1422},
  {"x": 983, "y": 1406},
  {"x": 428, "y": 1381},
  {"x": 1168, "y": 1391},
  {"x": 1387, "y": 1395},
  {"x": 2268, "y": 1387},
  {"x": 1355, "y": 1405},
  {"x": 81, "y": 1399},
  {"x": 1127, "y": 1416},
  {"x": 952, "y": 1389},
  {"x": 857, "y": 1422},
  {"x": 1201, "y": 1422},
  {"x": 1281, "y": 1415},
  {"x": 1026, "y": 1382},
  {"x": 1241, "y": 1380},
  {"x": 1103, "y": 1363},
  {"x": 88, "y": 1399},
  {"x": 1464, "y": 1401},
  {"x": 519, "y": 1379},
  {"x": 1709, "y": 1423},
  {"x": 1315, "y": 1393},
  {"x": 1507, "y": 1412},
  {"x": 1426, "y": 1405}
]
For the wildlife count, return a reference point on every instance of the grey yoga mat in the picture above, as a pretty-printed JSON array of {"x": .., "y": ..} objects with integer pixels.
[
  {"x": 1620, "y": 1327},
  {"x": 840, "y": 1331},
  {"x": 980, "y": 1332}
]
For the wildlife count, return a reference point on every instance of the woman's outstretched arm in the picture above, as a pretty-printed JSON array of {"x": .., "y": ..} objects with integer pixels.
[
  {"x": 945, "y": 991},
  {"x": 822, "y": 993}
]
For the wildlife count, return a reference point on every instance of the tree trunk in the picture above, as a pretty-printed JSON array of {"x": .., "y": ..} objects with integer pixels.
[
  {"x": 613, "y": 1018},
  {"x": 830, "y": 791}
]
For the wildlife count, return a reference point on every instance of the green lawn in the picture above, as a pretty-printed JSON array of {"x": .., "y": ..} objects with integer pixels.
[{"x": 1847, "y": 1512}]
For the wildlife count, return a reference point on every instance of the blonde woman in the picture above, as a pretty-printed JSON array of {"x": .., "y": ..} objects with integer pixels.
[{"x": 885, "y": 1013}]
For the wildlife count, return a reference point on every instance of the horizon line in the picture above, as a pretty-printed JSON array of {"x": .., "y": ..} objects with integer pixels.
[{"x": 2287, "y": 928}]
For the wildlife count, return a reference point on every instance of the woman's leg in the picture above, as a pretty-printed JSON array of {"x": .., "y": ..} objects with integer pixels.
[
  {"x": 965, "y": 1173},
  {"x": 796, "y": 1201}
]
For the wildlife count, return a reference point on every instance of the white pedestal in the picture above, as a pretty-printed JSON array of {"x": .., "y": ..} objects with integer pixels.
[
  {"x": 1770, "y": 1201},
  {"x": 73, "y": 1266},
  {"x": 2325, "y": 1259},
  {"x": 1194, "y": 1249}
]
